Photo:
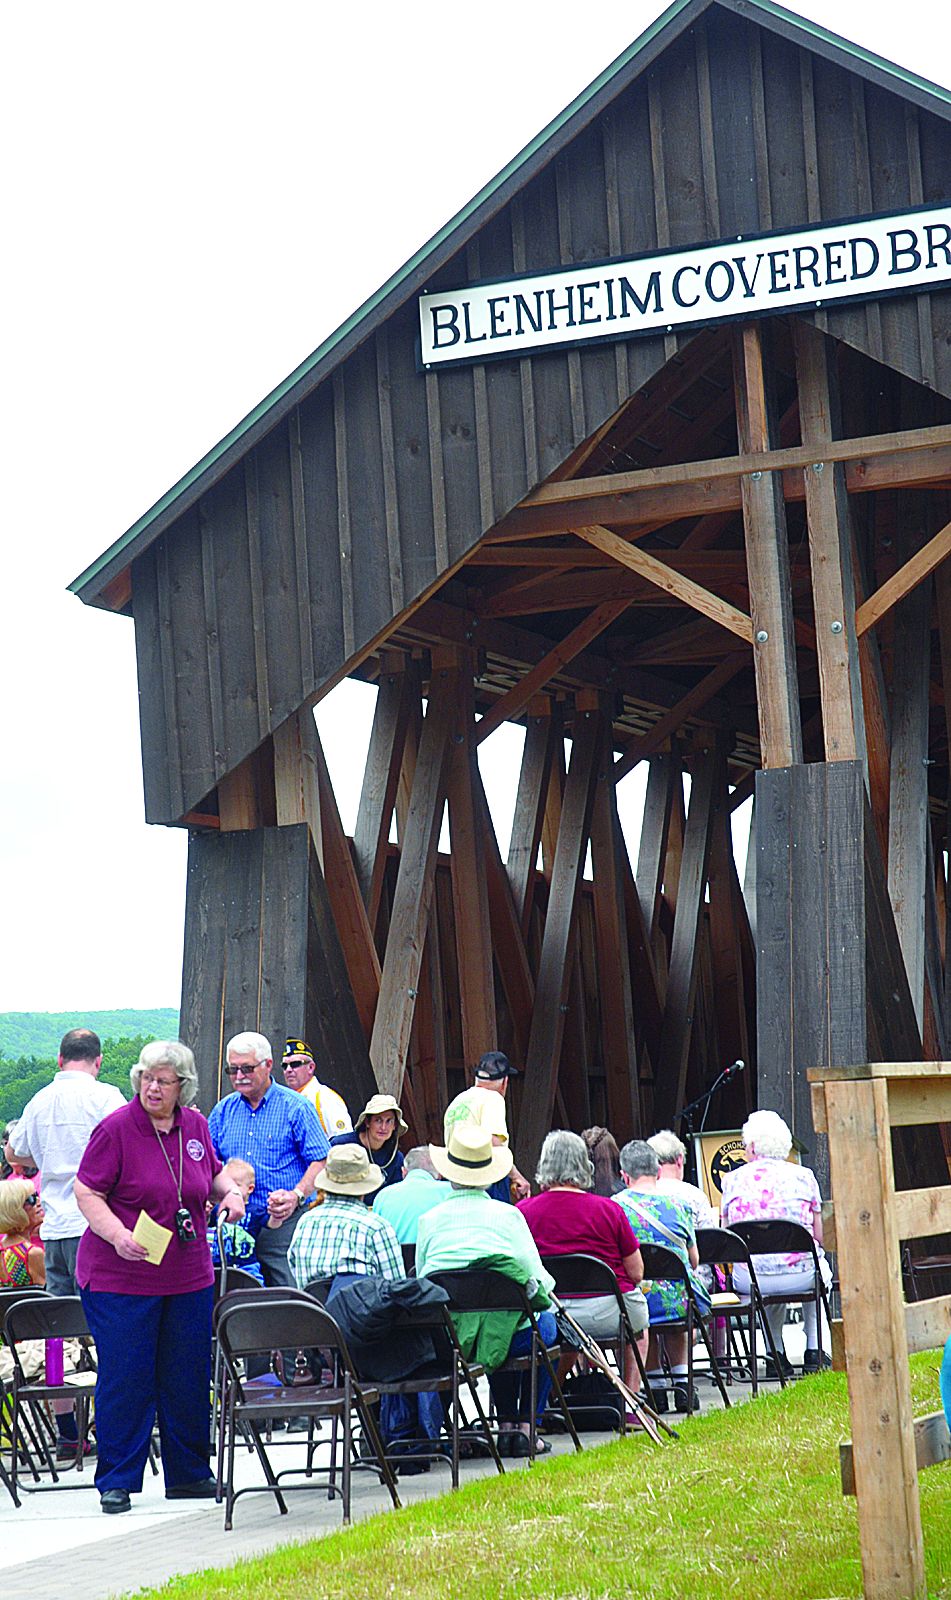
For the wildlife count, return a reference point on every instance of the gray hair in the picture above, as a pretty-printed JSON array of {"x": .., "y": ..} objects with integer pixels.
[
  {"x": 766, "y": 1133},
  {"x": 638, "y": 1160},
  {"x": 419, "y": 1160},
  {"x": 250, "y": 1044},
  {"x": 564, "y": 1159},
  {"x": 169, "y": 1053},
  {"x": 667, "y": 1147}
]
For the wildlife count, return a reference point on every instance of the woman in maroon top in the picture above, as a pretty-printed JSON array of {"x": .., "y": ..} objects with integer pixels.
[
  {"x": 152, "y": 1320},
  {"x": 567, "y": 1219}
]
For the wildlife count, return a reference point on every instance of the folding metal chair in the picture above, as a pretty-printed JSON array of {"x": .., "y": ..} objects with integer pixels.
[
  {"x": 787, "y": 1238},
  {"x": 580, "y": 1274},
  {"x": 482, "y": 1289},
  {"x": 45, "y": 1316},
  {"x": 723, "y": 1247},
  {"x": 255, "y": 1326},
  {"x": 661, "y": 1263}
]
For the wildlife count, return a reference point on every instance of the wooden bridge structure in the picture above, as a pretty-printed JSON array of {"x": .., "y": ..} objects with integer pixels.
[{"x": 720, "y": 549}]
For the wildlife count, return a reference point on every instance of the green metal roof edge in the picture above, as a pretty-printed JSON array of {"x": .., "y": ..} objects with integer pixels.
[
  {"x": 618, "y": 65},
  {"x": 838, "y": 42}
]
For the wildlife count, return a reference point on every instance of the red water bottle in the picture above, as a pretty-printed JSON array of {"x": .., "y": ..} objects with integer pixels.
[{"x": 54, "y": 1362}]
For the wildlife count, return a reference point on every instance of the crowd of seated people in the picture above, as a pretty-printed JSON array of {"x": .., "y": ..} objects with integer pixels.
[{"x": 292, "y": 1191}]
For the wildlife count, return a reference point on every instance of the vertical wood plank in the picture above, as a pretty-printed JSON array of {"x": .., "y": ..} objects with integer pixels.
[
  {"x": 830, "y": 552},
  {"x": 388, "y": 463},
  {"x": 258, "y": 624},
  {"x": 508, "y": 940},
  {"x": 767, "y": 560},
  {"x": 614, "y": 973},
  {"x": 663, "y": 773},
  {"x": 301, "y": 552},
  {"x": 296, "y": 787},
  {"x": 344, "y": 529},
  {"x": 886, "y": 1474}
]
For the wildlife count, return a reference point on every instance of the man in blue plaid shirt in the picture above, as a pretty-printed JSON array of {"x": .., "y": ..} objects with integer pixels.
[{"x": 279, "y": 1133}]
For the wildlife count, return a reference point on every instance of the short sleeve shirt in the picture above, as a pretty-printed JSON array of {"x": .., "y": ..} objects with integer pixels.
[
  {"x": 128, "y": 1162},
  {"x": 569, "y": 1221},
  {"x": 483, "y": 1107},
  {"x": 280, "y": 1137},
  {"x": 772, "y": 1191}
]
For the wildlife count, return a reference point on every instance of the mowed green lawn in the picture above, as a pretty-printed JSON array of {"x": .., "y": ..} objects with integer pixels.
[{"x": 746, "y": 1503}]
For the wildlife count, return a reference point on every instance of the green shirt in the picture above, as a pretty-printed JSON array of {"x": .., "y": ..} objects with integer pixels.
[
  {"x": 402, "y": 1204},
  {"x": 468, "y": 1228}
]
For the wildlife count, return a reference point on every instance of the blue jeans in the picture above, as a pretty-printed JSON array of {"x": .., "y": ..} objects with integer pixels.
[
  {"x": 154, "y": 1354},
  {"x": 512, "y": 1391}
]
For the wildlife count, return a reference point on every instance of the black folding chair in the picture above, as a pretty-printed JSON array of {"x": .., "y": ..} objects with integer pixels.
[
  {"x": 45, "y": 1316},
  {"x": 482, "y": 1289},
  {"x": 661, "y": 1263},
  {"x": 579, "y": 1274},
  {"x": 254, "y": 1326},
  {"x": 787, "y": 1238},
  {"x": 724, "y": 1248},
  {"x": 409, "y": 1259}
]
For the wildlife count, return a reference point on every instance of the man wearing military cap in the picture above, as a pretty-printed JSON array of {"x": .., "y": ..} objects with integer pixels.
[
  {"x": 484, "y": 1106},
  {"x": 300, "y": 1074}
]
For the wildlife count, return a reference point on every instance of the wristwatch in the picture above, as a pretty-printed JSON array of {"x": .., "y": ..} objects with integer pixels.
[{"x": 301, "y": 1198}]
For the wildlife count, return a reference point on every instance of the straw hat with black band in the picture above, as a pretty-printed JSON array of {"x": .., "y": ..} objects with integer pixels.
[{"x": 469, "y": 1158}]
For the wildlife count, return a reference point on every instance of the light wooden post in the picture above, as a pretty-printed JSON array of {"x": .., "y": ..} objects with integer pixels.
[{"x": 883, "y": 1449}]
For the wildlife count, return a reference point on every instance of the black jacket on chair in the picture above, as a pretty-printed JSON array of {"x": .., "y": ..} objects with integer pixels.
[{"x": 375, "y": 1316}]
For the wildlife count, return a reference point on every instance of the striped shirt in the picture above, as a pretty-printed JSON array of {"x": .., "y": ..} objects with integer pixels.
[
  {"x": 344, "y": 1235},
  {"x": 279, "y": 1137}
]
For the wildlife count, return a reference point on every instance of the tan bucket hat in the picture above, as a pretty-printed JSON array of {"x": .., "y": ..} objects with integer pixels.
[
  {"x": 349, "y": 1170},
  {"x": 375, "y": 1106},
  {"x": 469, "y": 1157}
]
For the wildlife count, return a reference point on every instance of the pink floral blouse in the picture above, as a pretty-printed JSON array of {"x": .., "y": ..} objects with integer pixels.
[{"x": 771, "y": 1191}]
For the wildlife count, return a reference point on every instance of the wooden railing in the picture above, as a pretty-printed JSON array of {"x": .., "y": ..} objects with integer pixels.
[{"x": 857, "y": 1107}]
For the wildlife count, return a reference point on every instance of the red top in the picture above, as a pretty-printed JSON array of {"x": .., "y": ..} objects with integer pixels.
[
  {"x": 124, "y": 1162},
  {"x": 569, "y": 1221}
]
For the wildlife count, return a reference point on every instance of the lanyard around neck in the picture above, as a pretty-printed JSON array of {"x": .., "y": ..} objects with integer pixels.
[{"x": 177, "y": 1181}]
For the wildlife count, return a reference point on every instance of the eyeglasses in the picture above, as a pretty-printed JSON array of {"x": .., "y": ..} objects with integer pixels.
[
  {"x": 160, "y": 1083},
  {"x": 243, "y": 1072},
  {"x": 31, "y": 1200}
]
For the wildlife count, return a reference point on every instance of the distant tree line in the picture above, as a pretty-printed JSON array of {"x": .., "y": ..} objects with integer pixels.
[{"x": 20, "y": 1079}]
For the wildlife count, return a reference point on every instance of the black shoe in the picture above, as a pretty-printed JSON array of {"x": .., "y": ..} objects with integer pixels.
[
  {"x": 816, "y": 1361},
  {"x": 300, "y": 1425},
  {"x": 204, "y": 1489},
  {"x": 770, "y": 1373},
  {"x": 504, "y": 1443},
  {"x": 661, "y": 1400},
  {"x": 681, "y": 1399},
  {"x": 115, "y": 1501}
]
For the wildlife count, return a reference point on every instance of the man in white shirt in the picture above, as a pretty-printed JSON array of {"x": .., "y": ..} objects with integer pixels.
[
  {"x": 483, "y": 1106},
  {"x": 670, "y": 1155},
  {"x": 300, "y": 1074},
  {"x": 54, "y": 1131}
]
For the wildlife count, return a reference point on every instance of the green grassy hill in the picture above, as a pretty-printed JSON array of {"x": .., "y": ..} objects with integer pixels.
[{"x": 38, "y": 1033}]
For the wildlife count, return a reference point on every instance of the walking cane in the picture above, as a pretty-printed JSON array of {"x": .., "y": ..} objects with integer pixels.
[{"x": 592, "y": 1352}]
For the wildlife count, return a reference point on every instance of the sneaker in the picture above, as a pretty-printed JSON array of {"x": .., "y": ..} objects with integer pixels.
[
  {"x": 681, "y": 1399},
  {"x": 816, "y": 1361},
  {"x": 770, "y": 1373}
]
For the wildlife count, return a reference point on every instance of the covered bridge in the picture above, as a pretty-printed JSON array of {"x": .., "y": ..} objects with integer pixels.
[{"x": 649, "y": 450}]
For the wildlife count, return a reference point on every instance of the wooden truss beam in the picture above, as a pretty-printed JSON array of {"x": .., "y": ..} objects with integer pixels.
[
  {"x": 517, "y": 698},
  {"x": 767, "y": 558},
  {"x": 664, "y": 577},
  {"x": 830, "y": 548},
  {"x": 614, "y": 968},
  {"x": 543, "y": 730},
  {"x": 554, "y": 968},
  {"x": 668, "y": 724},
  {"x": 468, "y": 866},
  {"x": 409, "y": 914},
  {"x": 914, "y": 571},
  {"x": 651, "y": 505},
  {"x": 356, "y": 935},
  {"x": 296, "y": 787},
  {"x": 724, "y": 571},
  {"x": 397, "y": 691}
]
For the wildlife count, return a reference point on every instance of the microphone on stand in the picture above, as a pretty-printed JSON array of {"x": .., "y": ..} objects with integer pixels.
[{"x": 732, "y": 1070}]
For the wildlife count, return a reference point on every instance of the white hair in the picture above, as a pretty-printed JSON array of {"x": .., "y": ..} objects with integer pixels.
[
  {"x": 168, "y": 1053},
  {"x": 766, "y": 1135},
  {"x": 564, "y": 1159},
  {"x": 667, "y": 1147},
  {"x": 250, "y": 1044}
]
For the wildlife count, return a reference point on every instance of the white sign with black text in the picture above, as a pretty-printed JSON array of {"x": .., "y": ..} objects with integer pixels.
[{"x": 811, "y": 267}]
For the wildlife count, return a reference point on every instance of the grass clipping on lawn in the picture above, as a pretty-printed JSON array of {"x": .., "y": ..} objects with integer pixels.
[{"x": 746, "y": 1503}]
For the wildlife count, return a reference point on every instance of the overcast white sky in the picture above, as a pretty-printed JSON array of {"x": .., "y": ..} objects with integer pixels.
[{"x": 193, "y": 196}]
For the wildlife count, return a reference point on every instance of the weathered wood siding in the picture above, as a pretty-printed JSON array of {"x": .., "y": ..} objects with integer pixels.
[{"x": 382, "y": 478}]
